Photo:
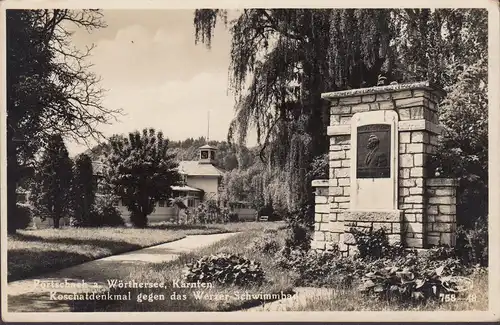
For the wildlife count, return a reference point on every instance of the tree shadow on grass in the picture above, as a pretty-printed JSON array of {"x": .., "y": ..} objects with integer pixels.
[
  {"x": 76, "y": 241},
  {"x": 26, "y": 263}
]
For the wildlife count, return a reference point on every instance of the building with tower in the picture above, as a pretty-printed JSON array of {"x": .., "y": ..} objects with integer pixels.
[
  {"x": 201, "y": 181},
  {"x": 201, "y": 175}
]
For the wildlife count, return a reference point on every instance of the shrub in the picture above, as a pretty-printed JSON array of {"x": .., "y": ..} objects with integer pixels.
[
  {"x": 374, "y": 244},
  {"x": 396, "y": 274},
  {"x": 292, "y": 259},
  {"x": 233, "y": 217},
  {"x": 269, "y": 243},
  {"x": 105, "y": 214},
  {"x": 320, "y": 269},
  {"x": 393, "y": 273},
  {"x": 472, "y": 244},
  {"x": 111, "y": 216},
  {"x": 24, "y": 216},
  {"x": 440, "y": 253},
  {"x": 298, "y": 236},
  {"x": 209, "y": 212},
  {"x": 226, "y": 269},
  {"x": 412, "y": 277}
]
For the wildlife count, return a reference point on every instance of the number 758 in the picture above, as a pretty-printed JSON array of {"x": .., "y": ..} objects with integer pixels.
[{"x": 448, "y": 297}]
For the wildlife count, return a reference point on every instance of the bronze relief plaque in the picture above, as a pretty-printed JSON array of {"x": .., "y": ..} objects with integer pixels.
[{"x": 374, "y": 151}]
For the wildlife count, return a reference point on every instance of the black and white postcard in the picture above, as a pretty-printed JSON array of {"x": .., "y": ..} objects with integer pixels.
[{"x": 310, "y": 161}]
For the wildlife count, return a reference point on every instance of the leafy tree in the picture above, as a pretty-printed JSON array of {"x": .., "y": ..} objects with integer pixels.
[
  {"x": 51, "y": 192},
  {"x": 99, "y": 151},
  {"x": 226, "y": 157},
  {"x": 283, "y": 59},
  {"x": 141, "y": 172},
  {"x": 83, "y": 189},
  {"x": 289, "y": 57},
  {"x": 463, "y": 152},
  {"x": 178, "y": 202},
  {"x": 319, "y": 167},
  {"x": 50, "y": 88},
  {"x": 234, "y": 187},
  {"x": 245, "y": 185}
]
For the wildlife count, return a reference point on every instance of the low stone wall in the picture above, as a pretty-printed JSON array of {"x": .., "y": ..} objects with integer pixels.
[
  {"x": 441, "y": 211},
  {"x": 322, "y": 238}
]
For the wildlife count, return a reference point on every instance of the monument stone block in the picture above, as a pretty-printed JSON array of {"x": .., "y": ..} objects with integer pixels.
[{"x": 380, "y": 142}]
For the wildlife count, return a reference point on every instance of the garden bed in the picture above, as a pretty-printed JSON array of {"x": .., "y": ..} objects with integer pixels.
[{"x": 353, "y": 300}]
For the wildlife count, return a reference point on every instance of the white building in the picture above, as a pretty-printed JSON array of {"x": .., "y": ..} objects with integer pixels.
[{"x": 201, "y": 180}]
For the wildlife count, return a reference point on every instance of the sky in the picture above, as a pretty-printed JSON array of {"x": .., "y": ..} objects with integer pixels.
[{"x": 152, "y": 70}]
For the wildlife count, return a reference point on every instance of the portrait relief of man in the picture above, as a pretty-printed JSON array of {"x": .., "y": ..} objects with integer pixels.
[
  {"x": 374, "y": 157},
  {"x": 373, "y": 151}
]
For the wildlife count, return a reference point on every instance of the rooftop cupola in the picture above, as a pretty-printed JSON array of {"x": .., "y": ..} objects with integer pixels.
[{"x": 207, "y": 154}]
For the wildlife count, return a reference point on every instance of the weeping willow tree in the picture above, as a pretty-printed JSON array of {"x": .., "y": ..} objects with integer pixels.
[{"x": 283, "y": 59}]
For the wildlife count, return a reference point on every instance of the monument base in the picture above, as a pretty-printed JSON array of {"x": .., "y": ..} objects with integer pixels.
[{"x": 364, "y": 220}]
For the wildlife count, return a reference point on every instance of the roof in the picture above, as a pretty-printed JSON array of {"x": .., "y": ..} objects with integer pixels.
[
  {"x": 185, "y": 189},
  {"x": 187, "y": 167},
  {"x": 207, "y": 146},
  {"x": 194, "y": 168}
]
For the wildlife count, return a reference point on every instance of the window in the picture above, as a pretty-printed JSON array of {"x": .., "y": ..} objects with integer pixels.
[
  {"x": 190, "y": 203},
  {"x": 204, "y": 154},
  {"x": 212, "y": 155}
]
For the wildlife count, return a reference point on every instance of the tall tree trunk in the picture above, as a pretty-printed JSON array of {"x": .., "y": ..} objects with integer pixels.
[
  {"x": 56, "y": 220},
  {"x": 144, "y": 220}
]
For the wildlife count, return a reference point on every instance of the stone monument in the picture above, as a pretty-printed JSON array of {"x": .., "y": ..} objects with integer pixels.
[{"x": 381, "y": 139}]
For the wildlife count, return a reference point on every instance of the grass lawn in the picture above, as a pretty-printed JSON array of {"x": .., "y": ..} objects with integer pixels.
[
  {"x": 220, "y": 228},
  {"x": 241, "y": 244},
  {"x": 33, "y": 252},
  {"x": 352, "y": 300}
]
